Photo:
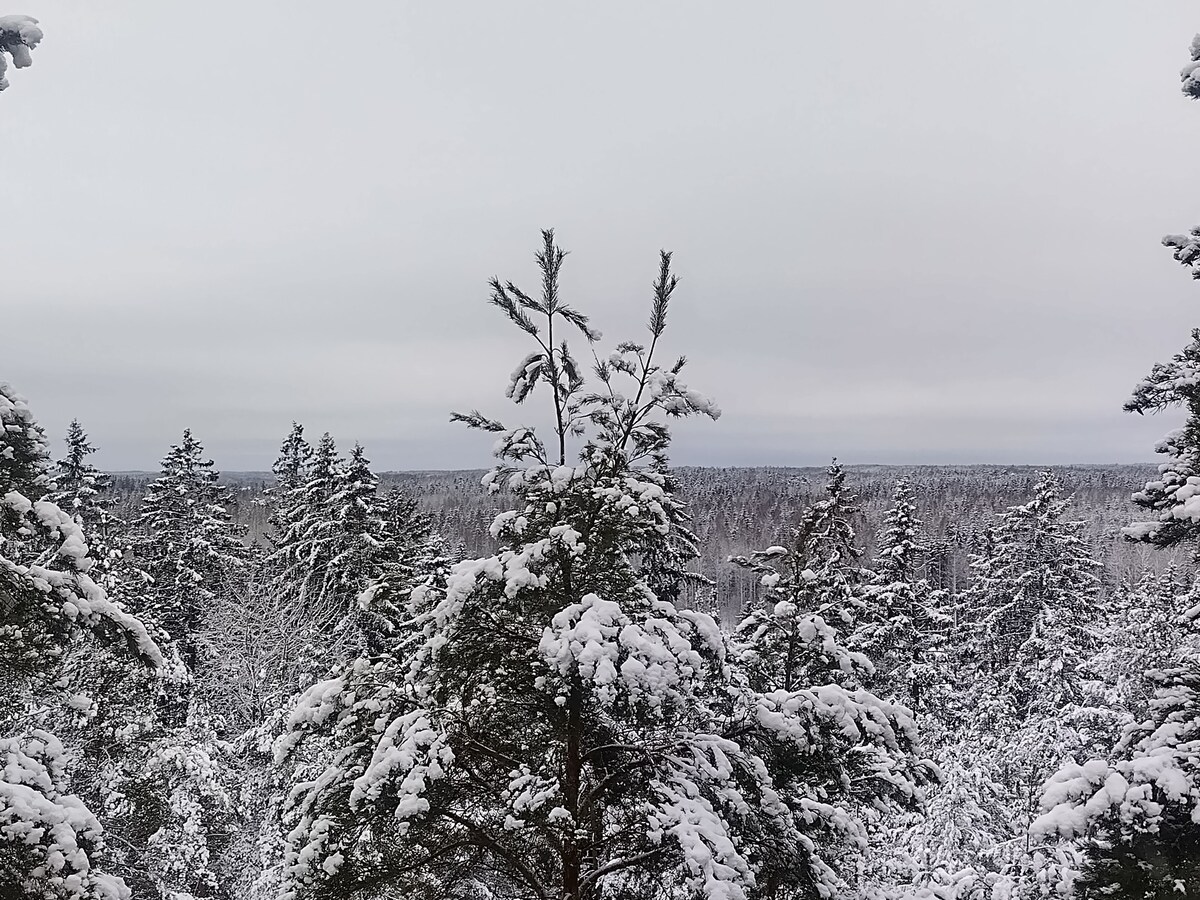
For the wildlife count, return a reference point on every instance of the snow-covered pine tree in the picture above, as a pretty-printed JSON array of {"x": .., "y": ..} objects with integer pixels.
[
  {"x": 1173, "y": 495},
  {"x": 188, "y": 543},
  {"x": 47, "y": 594},
  {"x": 1138, "y": 809},
  {"x": 19, "y": 35},
  {"x": 51, "y": 843},
  {"x": 546, "y": 727}
]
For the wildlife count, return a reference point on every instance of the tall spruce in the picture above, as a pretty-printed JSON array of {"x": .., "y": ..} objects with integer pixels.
[
  {"x": 1027, "y": 626},
  {"x": 189, "y": 544},
  {"x": 1035, "y": 582},
  {"x": 85, "y": 493},
  {"x": 291, "y": 470},
  {"x": 309, "y": 546},
  {"x": 902, "y": 625}
]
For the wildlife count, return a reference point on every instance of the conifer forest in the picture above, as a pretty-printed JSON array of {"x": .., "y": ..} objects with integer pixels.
[{"x": 578, "y": 671}]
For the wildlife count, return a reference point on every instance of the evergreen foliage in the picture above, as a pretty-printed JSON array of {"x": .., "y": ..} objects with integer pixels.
[
  {"x": 1031, "y": 598},
  {"x": 1172, "y": 496},
  {"x": 820, "y": 575},
  {"x": 84, "y": 492},
  {"x": 1139, "y": 809},
  {"x": 546, "y": 726},
  {"x": 903, "y": 625},
  {"x": 189, "y": 545},
  {"x": 51, "y": 842}
]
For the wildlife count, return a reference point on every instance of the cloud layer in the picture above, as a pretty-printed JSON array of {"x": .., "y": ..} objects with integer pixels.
[{"x": 907, "y": 233}]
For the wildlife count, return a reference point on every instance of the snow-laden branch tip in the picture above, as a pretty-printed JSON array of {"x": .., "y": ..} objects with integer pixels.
[{"x": 18, "y": 36}]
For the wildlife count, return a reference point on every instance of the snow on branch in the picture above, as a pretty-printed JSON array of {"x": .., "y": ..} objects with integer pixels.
[{"x": 18, "y": 36}]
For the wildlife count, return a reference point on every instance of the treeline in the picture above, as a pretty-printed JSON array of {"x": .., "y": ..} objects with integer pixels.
[{"x": 734, "y": 510}]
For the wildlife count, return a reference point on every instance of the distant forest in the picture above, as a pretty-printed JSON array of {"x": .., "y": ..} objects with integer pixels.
[{"x": 736, "y": 510}]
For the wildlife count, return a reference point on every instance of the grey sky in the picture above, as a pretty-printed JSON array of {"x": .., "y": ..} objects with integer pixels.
[{"x": 918, "y": 232}]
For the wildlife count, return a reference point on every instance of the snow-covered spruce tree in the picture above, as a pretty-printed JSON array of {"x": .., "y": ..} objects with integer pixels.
[
  {"x": 285, "y": 497},
  {"x": 821, "y": 573},
  {"x": 668, "y": 571},
  {"x": 172, "y": 790},
  {"x": 1037, "y": 594},
  {"x": 335, "y": 535},
  {"x": 1025, "y": 705},
  {"x": 291, "y": 467},
  {"x": 365, "y": 542},
  {"x": 304, "y": 538},
  {"x": 787, "y": 642},
  {"x": 189, "y": 545},
  {"x": 289, "y": 650},
  {"x": 51, "y": 843},
  {"x": 274, "y": 641},
  {"x": 902, "y": 626},
  {"x": 158, "y": 785},
  {"x": 544, "y": 726},
  {"x": 962, "y": 836},
  {"x": 124, "y": 762},
  {"x": 78, "y": 484},
  {"x": 900, "y": 545},
  {"x": 1035, "y": 584},
  {"x": 1143, "y": 633},
  {"x": 1138, "y": 810},
  {"x": 84, "y": 492},
  {"x": 19, "y": 35}
]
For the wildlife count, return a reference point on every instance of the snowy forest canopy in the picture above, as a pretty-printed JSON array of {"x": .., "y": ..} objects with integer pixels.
[{"x": 593, "y": 676}]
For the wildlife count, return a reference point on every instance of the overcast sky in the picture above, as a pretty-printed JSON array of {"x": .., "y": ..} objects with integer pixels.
[{"x": 918, "y": 232}]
